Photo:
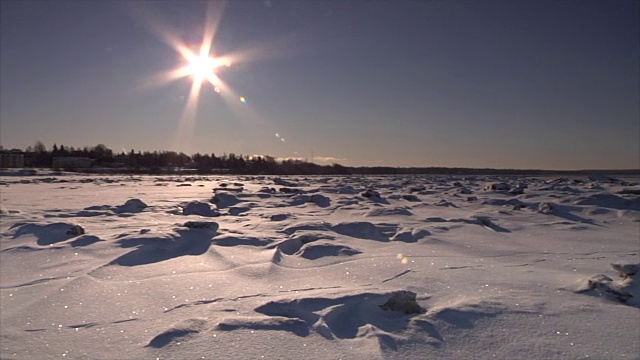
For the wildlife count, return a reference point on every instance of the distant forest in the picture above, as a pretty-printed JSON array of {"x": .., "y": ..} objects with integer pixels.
[{"x": 102, "y": 159}]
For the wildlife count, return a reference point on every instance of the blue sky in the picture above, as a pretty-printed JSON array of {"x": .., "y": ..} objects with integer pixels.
[{"x": 505, "y": 84}]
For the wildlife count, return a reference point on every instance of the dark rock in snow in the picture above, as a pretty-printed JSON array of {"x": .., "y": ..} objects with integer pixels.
[
  {"x": 545, "y": 208},
  {"x": 497, "y": 187},
  {"x": 410, "y": 197},
  {"x": 370, "y": 193},
  {"x": 267, "y": 190},
  {"x": 320, "y": 200},
  {"x": 279, "y": 217},
  {"x": 210, "y": 225},
  {"x": 626, "y": 270},
  {"x": 237, "y": 210},
  {"x": 75, "y": 230},
  {"x": 287, "y": 190},
  {"x": 403, "y": 301},
  {"x": 629, "y": 192},
  {"x": 233, "y": 189},
  {"x": 606, "y": 286}
]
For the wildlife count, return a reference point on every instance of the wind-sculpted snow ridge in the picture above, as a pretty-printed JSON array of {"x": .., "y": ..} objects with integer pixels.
[
  {"x": 357, "y": 267},
  {"x": 178, "y": 333}
]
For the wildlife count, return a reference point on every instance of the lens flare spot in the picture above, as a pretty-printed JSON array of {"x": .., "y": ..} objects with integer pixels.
[
  {"x": 405, "y": 261},
  {"x": 399, "y": 256},
  {"x": 243, "y": 100}
]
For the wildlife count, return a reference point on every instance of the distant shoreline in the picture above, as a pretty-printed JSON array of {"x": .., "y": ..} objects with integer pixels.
[{"x": 346, "y": 171}]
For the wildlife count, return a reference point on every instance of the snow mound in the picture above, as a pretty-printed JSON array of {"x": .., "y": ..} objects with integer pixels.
[
  {"x": 321, "y": 249},
  {"x": 223, "y": 200},
  {"x": 152, "y": 248},
  {"x": 320, "y": 200},
  {"x": 299, "y": 239},
  {"x": 131, "y": 206},
  {"x": 50, "y": 234},
  {"x": 199, "y": 208},
  {"x": 365, "y": 230}
]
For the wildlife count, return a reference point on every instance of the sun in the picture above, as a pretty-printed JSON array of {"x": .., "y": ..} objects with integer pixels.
[
  {"x": 201, "y": 66},
  {"x": 197, "y": 62}
]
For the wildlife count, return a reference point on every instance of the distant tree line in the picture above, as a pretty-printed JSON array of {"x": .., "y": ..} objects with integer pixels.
[
  {"x": 134, "y": 161},
  {"x": 156, "y": 162}
]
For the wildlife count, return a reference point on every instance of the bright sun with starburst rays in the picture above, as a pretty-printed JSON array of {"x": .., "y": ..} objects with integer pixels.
[{"x": 199, "y": 64}]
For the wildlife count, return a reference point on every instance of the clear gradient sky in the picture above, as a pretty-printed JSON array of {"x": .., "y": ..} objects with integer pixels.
[{"x": 504, "y": 84}]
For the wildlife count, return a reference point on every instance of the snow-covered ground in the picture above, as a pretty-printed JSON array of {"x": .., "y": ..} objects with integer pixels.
[{"x": 146, "y": 267}]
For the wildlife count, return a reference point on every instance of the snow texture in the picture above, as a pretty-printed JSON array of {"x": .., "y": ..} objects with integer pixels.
[{"x": 351, "y": 267}]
